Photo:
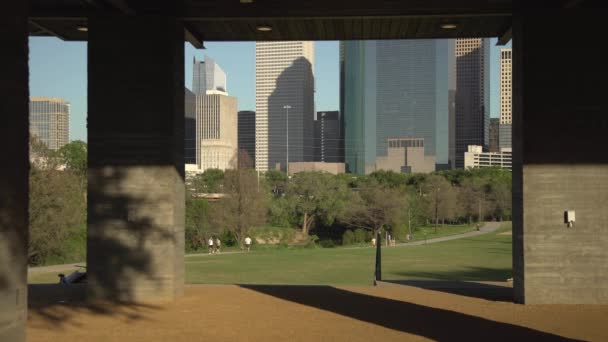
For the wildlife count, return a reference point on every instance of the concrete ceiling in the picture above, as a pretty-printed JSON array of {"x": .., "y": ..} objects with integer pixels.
[{"x": 235, "y": 20}]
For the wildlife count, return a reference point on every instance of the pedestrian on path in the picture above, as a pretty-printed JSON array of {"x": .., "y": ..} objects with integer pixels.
[
  {"x": 218, "y": 245},
  {"x": 210, "y": 244},
  {"x": 248, "y": 243}
]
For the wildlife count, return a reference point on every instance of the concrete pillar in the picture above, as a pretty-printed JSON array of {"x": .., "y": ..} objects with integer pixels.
[
  {"x": 14, "y": 169},
  {"x": 135, "y": 238},
  {"x": 560, "y": 122}
]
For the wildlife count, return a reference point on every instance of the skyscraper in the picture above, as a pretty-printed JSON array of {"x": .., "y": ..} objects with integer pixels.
[
  {"x": 395, "y": 89},
  {"x": 246, "y": 137},
  {"x": 190, "y": 145},
  {"x": 505, "y": 98},
  {"x": 494, "y": 135},
  {"x": 50, "y": 121},
  {"x": 216, "y": 115},
  {"x": 328, "y": 137},
  {"x": 473, "y": 95},
  {"x": 284, "y": 84},
  {"x": 207, "y": 75}
]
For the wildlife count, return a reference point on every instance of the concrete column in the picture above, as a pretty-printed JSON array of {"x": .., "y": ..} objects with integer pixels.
[
  {"x": 560, "y": 123},
  {"x": 14, "y": 169},
  {"x": 135, "y": 238}
]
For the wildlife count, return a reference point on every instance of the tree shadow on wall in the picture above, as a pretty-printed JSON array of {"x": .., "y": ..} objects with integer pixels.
[{"x": 129, "y": 249}]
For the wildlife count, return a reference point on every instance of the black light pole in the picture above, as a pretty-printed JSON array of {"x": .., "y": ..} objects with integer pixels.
[{"x": 378, "y": 271}]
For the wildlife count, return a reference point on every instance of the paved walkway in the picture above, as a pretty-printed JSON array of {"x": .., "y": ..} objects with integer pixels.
[{"x": 488, "y": 227}]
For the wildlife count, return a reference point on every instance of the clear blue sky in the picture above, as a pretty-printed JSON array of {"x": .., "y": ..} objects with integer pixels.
[{"x": 59, "y": 69}]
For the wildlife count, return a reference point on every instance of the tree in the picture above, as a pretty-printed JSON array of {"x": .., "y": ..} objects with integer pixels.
[
  {"x": 199, "y": 222},
  {"x": 441, "y": 198},
  {"x": 209, "y": 181},
  {"x": 473, "y": 197},
  {"x": 316, "y": 196},
  {"x": 243, "y": 207},
  {"x": 389, "y": 179},
  {"x": 276, "y": 180},
  {"x": 373, "y": 207},
  {"x": 56, "y": 208},
  {"x": 74, "y": 156},
  {"x": 244, "y": 160}
]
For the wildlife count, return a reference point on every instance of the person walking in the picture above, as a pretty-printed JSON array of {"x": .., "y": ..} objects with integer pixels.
[
  {"x": 218, "y": 245},
  {"x": 210, "y": 244},
  {"x": 248, "y": 243}
]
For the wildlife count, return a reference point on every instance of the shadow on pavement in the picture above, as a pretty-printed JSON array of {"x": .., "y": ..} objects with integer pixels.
[
  {"x": 501, "y": 292},
  {"x": 59, "y": 305},
  {"x": 432, "y": 323}
]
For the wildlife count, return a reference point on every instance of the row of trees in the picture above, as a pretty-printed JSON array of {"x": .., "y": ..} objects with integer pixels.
[{"x": 323, "y": 202}]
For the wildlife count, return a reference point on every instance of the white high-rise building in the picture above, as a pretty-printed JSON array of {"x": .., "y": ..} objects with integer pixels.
[
  {"x": 216, "y": 120},
  {"x": 50, "y": 121},
  {"x": 506, "y": 119},
  {"x": 505, "y": 86},
  {"x": 284, "y": 77}
]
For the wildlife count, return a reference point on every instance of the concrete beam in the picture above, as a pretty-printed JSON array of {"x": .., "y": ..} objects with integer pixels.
[
  {"x": 560, "y": 162},
  {"x": 135, "y": 241},
  {"x": 14, "y": 169},
  {"x": 505, "y": 37},
  {"x": 193, "y": 38}
]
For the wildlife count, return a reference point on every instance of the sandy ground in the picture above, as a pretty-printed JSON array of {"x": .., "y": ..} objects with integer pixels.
[{"x": 389, "y": 312}]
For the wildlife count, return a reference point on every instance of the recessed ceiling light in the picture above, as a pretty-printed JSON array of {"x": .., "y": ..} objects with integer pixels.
[
  {"x": 448, "y": 26},
  {"x": 264, "y": 28},
  {"x": 82, "y": 28}
]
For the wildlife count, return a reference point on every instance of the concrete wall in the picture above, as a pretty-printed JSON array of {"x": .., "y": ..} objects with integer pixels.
[
  {"x": 14, "y": 169},
  {"x": 135, "y": 241},
  {"x": 333, "y": 168},
  {"x": 560, "y": 158}
]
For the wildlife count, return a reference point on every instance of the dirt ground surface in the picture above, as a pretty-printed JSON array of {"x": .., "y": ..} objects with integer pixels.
[{"x": 388, "y": 312}]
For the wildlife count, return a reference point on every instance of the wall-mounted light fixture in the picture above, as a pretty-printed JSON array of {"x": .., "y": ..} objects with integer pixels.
[{"x": 569, "y": 218}]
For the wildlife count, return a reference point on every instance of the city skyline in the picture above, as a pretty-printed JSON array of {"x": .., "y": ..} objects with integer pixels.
[{"x": 59, "y": 69}]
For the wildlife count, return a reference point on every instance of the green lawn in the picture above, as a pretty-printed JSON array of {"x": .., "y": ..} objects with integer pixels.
[
  {"x": 429, "y": 232},
  {"x": 484, "y": 257}
]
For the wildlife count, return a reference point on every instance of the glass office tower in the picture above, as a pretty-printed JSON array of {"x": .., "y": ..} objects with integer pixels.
[{"x": 395, "y": 89}]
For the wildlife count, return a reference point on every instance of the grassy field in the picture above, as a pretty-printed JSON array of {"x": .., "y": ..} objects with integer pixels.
[{"x": 484, "y": 257}]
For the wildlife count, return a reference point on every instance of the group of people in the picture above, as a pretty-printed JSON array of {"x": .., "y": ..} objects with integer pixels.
[{"x": 215, "y": 244}]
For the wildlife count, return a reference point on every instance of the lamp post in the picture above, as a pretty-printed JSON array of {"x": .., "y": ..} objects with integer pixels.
[{"x": 287, "y": 107}]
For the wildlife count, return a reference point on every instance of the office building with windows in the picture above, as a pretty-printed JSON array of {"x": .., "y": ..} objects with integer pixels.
[
  {"x": 476, "y": 158},
  {"x": 396, "y": 89},
  {"x": 284, "y": 101},
  {"x": 473, "y": 96},
  {"x": 50, "y": 121},
  {"x": 329, "y": 138},
  {"x": 246, "y": 139},
  {"x": 506, "y": 100},
  {"x": 207, "y": 75}
]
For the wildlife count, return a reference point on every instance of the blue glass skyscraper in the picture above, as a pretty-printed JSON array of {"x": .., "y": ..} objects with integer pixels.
[{"x": 396, "y": 89}]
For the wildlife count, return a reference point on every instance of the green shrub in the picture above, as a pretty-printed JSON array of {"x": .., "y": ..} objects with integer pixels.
[
  {"x": 361, "y": 235},
  {"x": 327, "y": 243},
  {"x": 348, "y": 238}
]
